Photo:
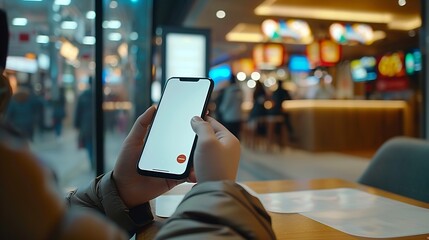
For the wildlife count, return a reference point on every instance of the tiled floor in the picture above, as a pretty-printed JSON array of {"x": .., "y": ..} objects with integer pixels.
[{"x": 297, "y": 164}]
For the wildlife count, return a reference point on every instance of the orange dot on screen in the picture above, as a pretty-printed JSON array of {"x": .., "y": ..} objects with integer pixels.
[{"x": 181, "y": 158}]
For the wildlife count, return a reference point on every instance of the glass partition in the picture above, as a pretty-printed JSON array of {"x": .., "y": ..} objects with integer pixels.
[{"x": 51, "y": 68}]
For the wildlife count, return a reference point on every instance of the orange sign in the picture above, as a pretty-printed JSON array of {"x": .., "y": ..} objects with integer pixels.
[
  {"x": 269, "y": 55},
  {"x": 330, "y": 53}
]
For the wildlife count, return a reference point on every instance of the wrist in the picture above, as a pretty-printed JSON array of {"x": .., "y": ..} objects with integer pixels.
[{"x": 130, "y": 202}]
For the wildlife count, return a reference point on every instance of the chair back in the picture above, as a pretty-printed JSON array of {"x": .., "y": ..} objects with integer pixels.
[{"x": 401, "y": 166}]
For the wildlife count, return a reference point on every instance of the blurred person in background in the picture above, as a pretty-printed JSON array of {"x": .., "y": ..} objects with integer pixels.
[
  {"x": 59, "y": 112},
  {"x": 230, "y": 107},
  {"x": 24, "y": 111},
  {"x": 84, "y": 120},
  {"x": 280, "y": 95},
  {"x": 258, "y": 110}
]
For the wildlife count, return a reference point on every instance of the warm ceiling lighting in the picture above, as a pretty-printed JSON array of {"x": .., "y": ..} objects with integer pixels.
[
  {"x": 268, "y": 8},
  {"x": 405, "y": 24},
  {"x": 245, "y": 33}
]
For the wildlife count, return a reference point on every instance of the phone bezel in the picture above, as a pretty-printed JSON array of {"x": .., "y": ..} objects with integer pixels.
[{"x": 191, "y": 156}]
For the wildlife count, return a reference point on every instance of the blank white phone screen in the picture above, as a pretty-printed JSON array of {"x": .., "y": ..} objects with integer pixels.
[{"x": 169, "y": 144}]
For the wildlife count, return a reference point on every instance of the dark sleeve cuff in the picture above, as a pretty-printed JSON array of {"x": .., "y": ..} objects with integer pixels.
[
  {"x": 102, "y": 195},
  {"x": 130, "y": 220}
]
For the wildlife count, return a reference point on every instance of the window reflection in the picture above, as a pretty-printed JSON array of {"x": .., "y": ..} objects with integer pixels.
[{"x": 50, "y": 66}]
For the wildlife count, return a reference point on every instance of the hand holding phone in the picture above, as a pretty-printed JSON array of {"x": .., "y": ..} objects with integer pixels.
[{"x": 170, "y": 143}]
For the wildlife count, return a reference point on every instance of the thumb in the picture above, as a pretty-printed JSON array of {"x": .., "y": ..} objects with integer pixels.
[
  {"x": 201, "y": 127},
  {"x": 141, "y": 126}
]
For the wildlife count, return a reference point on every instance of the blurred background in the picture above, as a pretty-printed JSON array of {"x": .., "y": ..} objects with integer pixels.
[{"x": 311, "y": 88}]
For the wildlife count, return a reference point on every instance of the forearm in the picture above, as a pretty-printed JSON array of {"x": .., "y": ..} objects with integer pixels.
[
  {"x": 219, "y": 210},
  {"x": 102, "y": 195}
]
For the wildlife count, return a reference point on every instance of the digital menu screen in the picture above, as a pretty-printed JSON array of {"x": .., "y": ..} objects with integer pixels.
[
  {"x": 185, "y": 55},
  {"x": 185, "y": 52}
]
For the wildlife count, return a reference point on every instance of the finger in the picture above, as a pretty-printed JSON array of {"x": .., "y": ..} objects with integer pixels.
[
  {"x": 217, "y": 126},
  {"x": 202, "y": 128},
  {"x": 140, "y": 127},
  {"x": 222, "y": 133},
  {"x": 192, "y": 178}
]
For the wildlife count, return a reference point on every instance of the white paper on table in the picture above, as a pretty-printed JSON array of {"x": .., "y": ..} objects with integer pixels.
[
  {"x": 166, "y": 204},
  {"x": 316, "y": 200},
  {"x": 352, "y": 211}
]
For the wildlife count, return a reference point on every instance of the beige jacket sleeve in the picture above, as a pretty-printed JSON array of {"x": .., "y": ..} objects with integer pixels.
[
  {"x": 103, "y": 196},
  {"x": 218, "y": 210}
]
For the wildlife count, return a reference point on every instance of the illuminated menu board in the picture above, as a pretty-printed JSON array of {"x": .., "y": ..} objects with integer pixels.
[{"x": 185, "y": 53}]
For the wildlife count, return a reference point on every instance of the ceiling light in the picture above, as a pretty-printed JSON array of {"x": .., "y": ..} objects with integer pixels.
[
  {"x": 255, "y": 76},
  {"x": 90, "y": 15},
  {"x": 405, "y": 24},
  {"x": 32, "y": 0},
  {"x": 62, "y": 2},
  {"x": 220, "y": 14},
  {"x": 115, "y": 37},
  {"x": 19, "y": 22},
  {"x": 325, "y": 14},
  {"x": 402, "y": 3},
  {"x": 241, "y": 76},
  {"x": 69, "y": 25},
  {"x": 42, "y": 39},
  {"x": 251, "y": 83},
  {"x": 134, "y": 36},
  {"x": 88, "y": 40},
  {"x": 113, "y": 24},
  {"x": 113, "y": 4}
]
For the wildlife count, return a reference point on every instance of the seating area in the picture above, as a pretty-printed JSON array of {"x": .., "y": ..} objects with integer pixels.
[
  {"x": 400, "y": 166},
  {"x": 265, "y": 133}
]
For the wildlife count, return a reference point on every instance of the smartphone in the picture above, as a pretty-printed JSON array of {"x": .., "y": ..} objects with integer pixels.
[{"x": 170, "y": 143}]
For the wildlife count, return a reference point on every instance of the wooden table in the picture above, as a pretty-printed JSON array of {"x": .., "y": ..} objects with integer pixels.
[{"x": 297, "y": 226}]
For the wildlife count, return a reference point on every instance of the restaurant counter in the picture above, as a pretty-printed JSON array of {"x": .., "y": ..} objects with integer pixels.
[{"x": 336, "y": 125}]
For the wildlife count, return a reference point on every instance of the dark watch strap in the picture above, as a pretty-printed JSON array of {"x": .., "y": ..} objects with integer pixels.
[{"x": 141, "y": 214}]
